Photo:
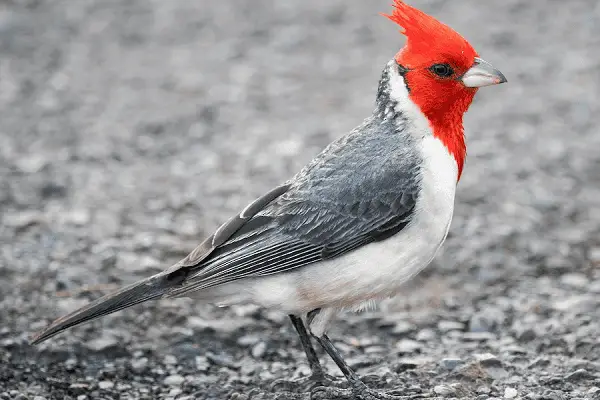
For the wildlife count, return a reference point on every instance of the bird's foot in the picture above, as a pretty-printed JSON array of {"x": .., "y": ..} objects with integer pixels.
[
  {"x": 358, "y": 393},
  {"x": 307, "y": 384}
]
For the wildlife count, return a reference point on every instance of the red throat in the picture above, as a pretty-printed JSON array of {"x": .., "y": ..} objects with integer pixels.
[
  {"x": 445, "y": 118},
  {"x": 443, "y": 100}
]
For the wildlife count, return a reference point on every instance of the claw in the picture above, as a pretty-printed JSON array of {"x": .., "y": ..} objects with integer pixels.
[{"x": 304, "y": 385}]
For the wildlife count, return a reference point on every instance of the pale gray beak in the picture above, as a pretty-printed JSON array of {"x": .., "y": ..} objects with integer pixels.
[{"x": 482, "y": 73}]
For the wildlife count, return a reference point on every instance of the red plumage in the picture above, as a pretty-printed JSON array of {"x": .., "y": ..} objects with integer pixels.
[{"x": 442, "y": 101}]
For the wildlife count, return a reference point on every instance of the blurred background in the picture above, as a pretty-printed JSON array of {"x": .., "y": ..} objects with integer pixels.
[{"x": 130, "y": 130}]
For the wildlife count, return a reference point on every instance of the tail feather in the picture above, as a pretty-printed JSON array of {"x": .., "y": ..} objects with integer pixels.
[{"x": 150, "y": 288}]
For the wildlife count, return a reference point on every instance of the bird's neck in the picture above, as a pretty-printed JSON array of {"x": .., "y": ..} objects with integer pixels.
[
  {"x": 450, "y": 131},
  {"x": 446, "y": 124}
]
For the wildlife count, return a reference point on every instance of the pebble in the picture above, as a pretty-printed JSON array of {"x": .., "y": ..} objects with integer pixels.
[
  {"x": 259, "y": 350},
  {"x": 106, "y": 385},
  {"x": 451, "y": 363},
  {"x": 510, "y": 393},
  {"x": 446, "y": 326},
  {"x": 574, "y": 280},
  {"x": 486, "y": 320},
  {"x": 173, "y": 380},
  {"x": 426, "y": 335},
  {"x": 487, "y": 360},
  {"x": 103, "y": 343},
  {"x": 139, "y": 364},
  {"x": 443, "y": 390},
  {"x": 580, "y": 374},
  {"x": 202, "y": 363},
  {"x": 403, "y": 328},
  {"x": 170, "y": 359},
  {"x": 408, "y": 346}
]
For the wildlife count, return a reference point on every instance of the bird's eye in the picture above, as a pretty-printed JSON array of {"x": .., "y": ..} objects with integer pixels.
[{"x": 442, "y": 70}]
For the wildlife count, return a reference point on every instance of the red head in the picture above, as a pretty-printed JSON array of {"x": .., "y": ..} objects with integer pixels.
[{"x": 443, "y": 73}]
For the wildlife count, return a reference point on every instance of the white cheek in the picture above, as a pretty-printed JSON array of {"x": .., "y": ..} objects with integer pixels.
[{"x": 399, "y": 94}]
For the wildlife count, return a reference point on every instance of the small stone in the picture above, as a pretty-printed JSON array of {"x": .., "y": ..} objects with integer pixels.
[
  {"x": 525, "y": 334},
  {"x": 487, "y": 320},
  {"x": 82, "y": 397},
  {"x": 78, "y": 217},
  {"x": 446, "y": 326},
  {"x": 488, "y": 360},
  {"x": 450, "y": 363},
  {"x": 593, "y": 390},
  {"x": 106, "y": 385},
  {"x": 248, "y": 340},
  {"x": 426, "y": 335},
  {"x": 478, "y": 336},
  {"x": 580, "y": 374},
  {"x": 408, "y": 346},
  {"x": 594, "y": 254},
  {"x": 221, "y": 360},
  {"x": 406, "y": 363},
  {"x": 483, "y": 390},
  {"x": 175, "y": 392},
  {"x": 259, "y": 350},
  {"x": 403, "y": 328},
  {"x": 103, "y": 343},
  {"x": 23, "y": 220},
  {"x": 139, "y": 364},
  {"x": 574, "y": 280},
  {"x": 173, "y": 380},
  {"x": 170, "y": 359},
  {"x": 510, "y": 393},
  {"x": 443, "y": 390},
  {"x": 202, "y": 363},
  {"x": 39, "y": 398},
  {"x": 594, "y": 286}
]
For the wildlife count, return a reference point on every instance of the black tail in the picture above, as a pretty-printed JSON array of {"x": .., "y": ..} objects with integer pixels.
[{"x": 150, "y": 288}]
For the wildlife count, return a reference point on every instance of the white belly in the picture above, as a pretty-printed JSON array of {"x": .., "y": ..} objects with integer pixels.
[{"x": 376, "y": 270}]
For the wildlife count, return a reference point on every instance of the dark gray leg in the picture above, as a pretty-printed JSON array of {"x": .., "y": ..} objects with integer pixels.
[
  {"x": 358, "y": 389},
  {"x": 335, "y": 355},
  {"x": 317, "y": 377},
  {"x": 311, "y": 354}
]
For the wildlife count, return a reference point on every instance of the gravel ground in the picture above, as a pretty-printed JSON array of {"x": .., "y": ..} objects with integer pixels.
[{"x": 131, "y": 129}]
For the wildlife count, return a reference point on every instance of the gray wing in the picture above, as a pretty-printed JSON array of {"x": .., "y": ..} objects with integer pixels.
[{"x": 356, "y": 192}]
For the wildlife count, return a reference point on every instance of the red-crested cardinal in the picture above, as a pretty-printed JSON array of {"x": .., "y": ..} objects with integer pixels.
[{"x": 358, "y": 221}]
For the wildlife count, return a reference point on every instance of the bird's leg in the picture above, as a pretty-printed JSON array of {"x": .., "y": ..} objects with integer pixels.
[
  {"x": 318, "y": 376},
  {"x": 311, "y": 354},
  {"x": 358, "y": 389}
]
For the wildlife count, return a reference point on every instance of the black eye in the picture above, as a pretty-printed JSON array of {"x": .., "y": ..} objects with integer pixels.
[{"x": 442, "y": 70}]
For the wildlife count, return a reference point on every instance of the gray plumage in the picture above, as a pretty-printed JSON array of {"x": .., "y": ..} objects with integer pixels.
[{"x": 362, "y": 188}]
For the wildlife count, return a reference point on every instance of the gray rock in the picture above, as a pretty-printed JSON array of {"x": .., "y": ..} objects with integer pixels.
[
  {"x": 408, "y": 346},
  {"x": 487, "y": 320},
  {"x": 446, "y": 326},
  {"x": 102, "y": 344},
  {"x": 139, "y": 364},
  {"x": 451, "y": 363},
  {"x": 574, "y": 280},
  {"x": 510, "y": 393},
  {"x": 580, "y": 374},
  {"x": 426, "y": 335},
  {"x": 173, "y": 380},
  {"x": 106, "y": 385},
  {"x": 403, "y": 328},
  {"x": 259, "y": 350}
]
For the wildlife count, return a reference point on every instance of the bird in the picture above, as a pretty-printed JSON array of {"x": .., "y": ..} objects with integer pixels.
[{"x": 357, "y": 222}]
